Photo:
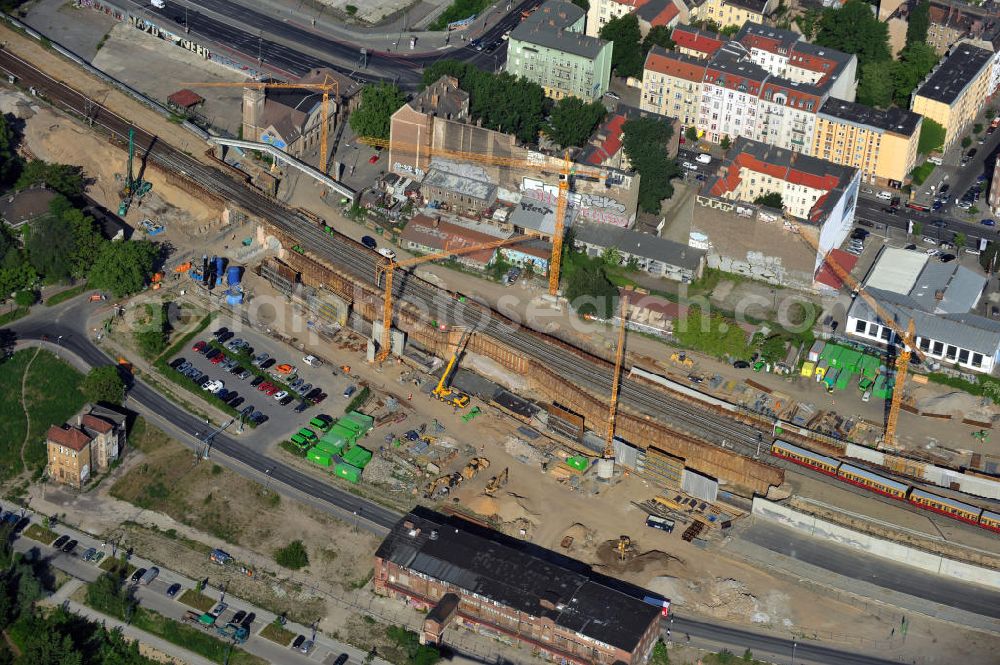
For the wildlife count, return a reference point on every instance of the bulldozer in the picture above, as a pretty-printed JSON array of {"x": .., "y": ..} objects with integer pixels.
[
  {"x": 624, "y": 547},
  {"x": 475, "y": 465},
  {"x": 496, "y": 482},
  {"x": 681, "y": 359}
]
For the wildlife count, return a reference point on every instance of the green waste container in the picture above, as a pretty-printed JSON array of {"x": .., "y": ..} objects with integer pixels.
[
  {"x": 579, "y": 463},
  {"x": 330, "y": 448},
  {"x": 358, "y": 456},
  {"x": 347, "y": 472},
  {"x": 319, "y": 457}
]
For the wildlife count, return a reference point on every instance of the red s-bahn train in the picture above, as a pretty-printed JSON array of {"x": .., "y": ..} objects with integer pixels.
[{"x": 894, "y": 489}]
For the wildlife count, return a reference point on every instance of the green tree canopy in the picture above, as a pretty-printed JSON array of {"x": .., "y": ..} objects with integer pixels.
[
  {"x": 626, "y": 55},
  {"x": 293, "y": 555},
  {"x": 573, "y": 121},
  {"x": 645, "y": 144},
  {"x": 103, "y": 384},
  {"x": 51, "y": 246},
  {"x": 712, "y": 334},
  {"x": 876, "y": 86},
  {"x": 15, "y": 271},
  {"x": 771, "y": 200},
  {"x": 918, "y": 22},
  {"x": 378, "y": 102},
  {"x": 854, "y": 28},
  {"x": 123, "y": 267},
  {"x": 506, "y": 103},
  {"x": 10, "y": 163},
  {"x": 62, "y": 178},
  {"x": 658, "y": 35},
  {"x": 590, "y": 292}
]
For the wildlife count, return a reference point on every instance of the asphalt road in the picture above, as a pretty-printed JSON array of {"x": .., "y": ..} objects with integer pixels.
[
  {"x": 855, "y": 564},
  {"x": 74, "y": 338},
  {"x": 295, "y": 50}
]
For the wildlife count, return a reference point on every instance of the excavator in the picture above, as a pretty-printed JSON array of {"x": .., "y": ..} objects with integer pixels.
[
  {"x": 444, "y": 391},
  {"x": 496, "y": 482},
  {"x": 475, "y": 465}
]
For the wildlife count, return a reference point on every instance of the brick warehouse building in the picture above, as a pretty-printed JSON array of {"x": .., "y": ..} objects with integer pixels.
[{"x": 502, "y": 587}]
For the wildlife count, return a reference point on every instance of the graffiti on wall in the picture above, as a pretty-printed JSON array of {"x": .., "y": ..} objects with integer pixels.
[{"x": 598, "y": 208}]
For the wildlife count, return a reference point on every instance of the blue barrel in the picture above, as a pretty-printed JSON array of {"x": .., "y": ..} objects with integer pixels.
[
  {"x": 233, "y": 275},
  {"x": 196, "y": 275},
  {"x": 220, "y": 266},
  {"x": 234, "y": 297}
]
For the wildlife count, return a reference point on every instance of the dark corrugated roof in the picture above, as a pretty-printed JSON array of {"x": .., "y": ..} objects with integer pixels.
[{"x": 520, "y": 575}]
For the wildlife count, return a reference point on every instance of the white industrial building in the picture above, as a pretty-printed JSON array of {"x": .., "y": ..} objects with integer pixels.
[{"x": 940, "y": 299}]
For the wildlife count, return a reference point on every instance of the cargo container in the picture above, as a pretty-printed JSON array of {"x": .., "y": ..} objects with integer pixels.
[
  {"x": 579, "y": 463},
  {"x": 844, "y": 379},
  {"x": 830, "y": 378},
  {"x": 808, "y": 368},
  {"x": 349, "y": 435},
  {"x": 319, "y": 457},
  {"x": 366, "y": 422},
  {"x": 347, "y": 472},
  {"x": 816, "y": 350},
  {"x": 331, "y": 448},
  {"x": 358, "y": 456},
  {"x": 821, "y": 368}
]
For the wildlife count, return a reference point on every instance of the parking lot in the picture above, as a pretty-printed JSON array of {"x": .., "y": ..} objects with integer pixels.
[{"x": 284, "y": 416}]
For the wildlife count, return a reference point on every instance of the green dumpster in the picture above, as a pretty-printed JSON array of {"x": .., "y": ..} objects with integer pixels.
[
  {"x": 319, "y": 457},
  {"x": 365, "y": 421},
  {"x": 579, "y": 463},
  {"x": 328, "y": 447},
  {"x": 844, "y": 378},
  {"x": 347, "y": 472},
  {"x": 358, "y": 457}
]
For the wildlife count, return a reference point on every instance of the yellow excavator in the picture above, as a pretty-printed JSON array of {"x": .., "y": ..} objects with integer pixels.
[
  {"x": 444, "y": 391},
  {"x": 496, "y": 482}
]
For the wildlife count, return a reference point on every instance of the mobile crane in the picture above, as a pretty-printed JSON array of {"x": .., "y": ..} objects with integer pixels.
[{"x": 444, "y": 391}]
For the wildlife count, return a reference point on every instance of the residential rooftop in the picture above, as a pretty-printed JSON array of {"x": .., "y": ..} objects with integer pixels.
[
  {"x": 955, "y": 73},
  {"x": 677, "y": 65},
  {"x": 521, "y": 575},
  {"x": 641, "y": 244},
  {"x": 894, "y": 120},
  {"x": 548, "y": 27},
  {"x": 452, "y": 182}
]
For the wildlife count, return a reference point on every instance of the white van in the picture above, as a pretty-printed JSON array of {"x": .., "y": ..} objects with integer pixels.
[
  {"x": 159, "y": 4},
  {"x": 703, "y": 159},
  {"x": 387, "y": 253},
  {"x": 884, "y": 196}
]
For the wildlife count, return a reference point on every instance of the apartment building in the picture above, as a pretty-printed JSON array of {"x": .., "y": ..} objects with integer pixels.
[
  {"x": 818, "y": 192},
  {"x": 550, "y": 48},
  {"x": 649, "y": 13},
  {"x": 734, "y": 12},
  {"x": 671, "y": 85},
  {"x": 955, "y": 91},
  {"x": 882, "y": 145},
  {"x": 765, "y": 84},
  {"x": 91, "y": 444},
  {"x": 486, "y": 582}
]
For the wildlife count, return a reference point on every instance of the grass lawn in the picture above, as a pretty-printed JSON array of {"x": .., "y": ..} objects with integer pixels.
[
  {"x": 921, "y": 173},
  {"x": 110, "y": 564},
  {"x": 63, "y": 296},
  {"x": 13, "y": 315},
  {"x": 196, "y": 600},
  {"x": 277, "y": 634},
  {"x": 40, "y": 533},
  {"x": 458, "y": 10},
  {"x": 52, "y": 396}
]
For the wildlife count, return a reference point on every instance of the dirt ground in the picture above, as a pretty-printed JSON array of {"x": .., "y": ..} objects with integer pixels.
[{"x": 57, "y": 67}]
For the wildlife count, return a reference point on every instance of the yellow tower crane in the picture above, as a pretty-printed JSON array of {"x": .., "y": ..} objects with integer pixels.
[
  {"x": 385, "y": 270},
  {"x": 326, "y": 86},
  {"x": 609, "y": 441},
  {"x": 564, "y": 168},
  {"x": 906, "y": 337}
]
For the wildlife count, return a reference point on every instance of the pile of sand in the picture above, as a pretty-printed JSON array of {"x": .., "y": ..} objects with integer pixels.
[
  {"x": 506, "y": 507},
  {"x": 722, "y": 598}
]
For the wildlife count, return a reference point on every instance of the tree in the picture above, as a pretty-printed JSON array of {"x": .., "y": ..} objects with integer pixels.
[
  {"x": 918, "y": 22},
  {"x": 853, "y": 28},
  {"x": 918, "y": 228},
  {"x": 660, "y": 655},
  {"x": 25, "y": 298},
  {"x": 808, "y": 22},
  {"x": 730, "y": 30},
  {"x": 876, "y": 85},
  {"x": 658, "y": 35},
  {"x": 590, "y": 292},
  {"x": 123, "y": 267},
  {"x": 915, "y": 62},
  {"x": 10, "y": 163},
  {"x": 725, "y": 143},
  {"x": 966, "y": 141},
  {"x": 989, "y": 258},
  {"x": 293, "y": 555},
  {"x": 770, "y": 200},
  {"x": 626, "y": 55},
  {"x": 103, "y": 384},
  {"x": 62, "y": 178},
  {"x": 15, "y": 270},
  {"x": 977, "y": 128},
  {"x": 773, "y": 348},
  {"x": 960, "y": 240},
  {"x": 573, "y": 121},
  {"x": 712, "y": 334},
  {"x": 691, "y": 134},
  {"x": 51, "y": 246},
  {"x": 378, "y": 102},
  {"x": 645, "y": 144},
  {"x": 611, "y": 257}
]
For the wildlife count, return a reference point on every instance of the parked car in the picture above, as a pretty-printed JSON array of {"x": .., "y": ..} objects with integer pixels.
[
  {"x": 220, "y": 331},
  {"x": 199, "y": 346},
  {"x": 203, "y": 381},
  {"x": 218, "y": 358},
  {"x": 703, "y": 159},
  {"x": 689, "y": 166},
  {"x": 218, "y": 610},
  {"x": 137, "y": 575},
  {"x": 247, "y": 411},
  {"x": 369, "y": 242},
  {"x": 319, "y": 398},
  {"x": 312, "y": 361},
  {"x": 297, "y": 642},
  {"x": 261, "y": 359},
  {"x": 302, "y": 406},
  {"x": 173, "y": 589},
  {"x": 149, "y": 576},
  {"x": 387, "y": 253},
  {"x": 245, "y": 374},
  {"x": 306, "y": 646},
  {"x": 268, "y": 364},
  {"x": 177, "y": 362},
  {"x": 310, "y": 394},
  {"x": 741, "y": 364},
  {"x": 294, "y": 385},
  {"x": 223, "y": 394},
  {"x": 247, "y": 620},
  {"x": 264, "y": 386},
  {"x": 225, "y": 337},
  {"x": 238, "y": 616},
  {"x": 183, "y": 367},
  {"x": 237, "y": 403},
  {"x": 271, "y": 390},
  {"x": 213, "y": 353},
  {"x": 89, "y": 553},
  {"x": 280, "y": 395},
  {"x": 286, "y": 400},
  {"x": 350, "y": 391},
  {"x": 341, "y": 659},
  {"x": 988, "y": 222},
  {"x": 257, "y": 381},
  {"x": 60, "y": 541}
]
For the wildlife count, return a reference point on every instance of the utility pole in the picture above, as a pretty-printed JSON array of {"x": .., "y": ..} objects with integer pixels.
[
  {"x": 211, "y": 436},
  {"x": 187, "y": 26},
  {"x": 260, "y": 47}
]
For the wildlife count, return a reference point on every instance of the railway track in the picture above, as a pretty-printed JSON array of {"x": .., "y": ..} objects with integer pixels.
[{"x": 586, "y": 371}]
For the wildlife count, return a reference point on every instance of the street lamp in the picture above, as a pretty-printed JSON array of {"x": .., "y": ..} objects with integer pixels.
[{"x": 794, "y": 644}]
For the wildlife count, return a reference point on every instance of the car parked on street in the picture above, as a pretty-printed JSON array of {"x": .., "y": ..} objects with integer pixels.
[
  {"x": 173, "y": 589},
  {"x": 60, "y": 541},
  {"x": 369, "y": 242},
  {"x": 199, "y": 346}
]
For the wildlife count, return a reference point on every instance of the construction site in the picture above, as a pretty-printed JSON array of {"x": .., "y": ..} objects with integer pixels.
[{"x": 613, "y": 458}]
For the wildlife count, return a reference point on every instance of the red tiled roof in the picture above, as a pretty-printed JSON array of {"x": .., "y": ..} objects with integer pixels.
[
  {"x": 612, "y": 143},
  {"x": 634, "y": 4},
  {"x": 443, "y": 235},
  {"x": 696, "y": 40},
  {"x": 185, "y": 98},
  {"x": 69, "y": 437},
  {"x": 665, "y": 16},
  {"x": 674, "y": 64},
  {"x": 97, "y": 424},
  {"x": 826, "y": 275}
]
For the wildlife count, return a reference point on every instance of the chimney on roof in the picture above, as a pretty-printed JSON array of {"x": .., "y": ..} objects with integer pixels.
[
  {"x": 79, "y": 420},
  {"x": 939, "y": 295}
]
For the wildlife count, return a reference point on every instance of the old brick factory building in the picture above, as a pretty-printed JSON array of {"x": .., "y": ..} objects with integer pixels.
[{"x": 502, "y": 587}]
